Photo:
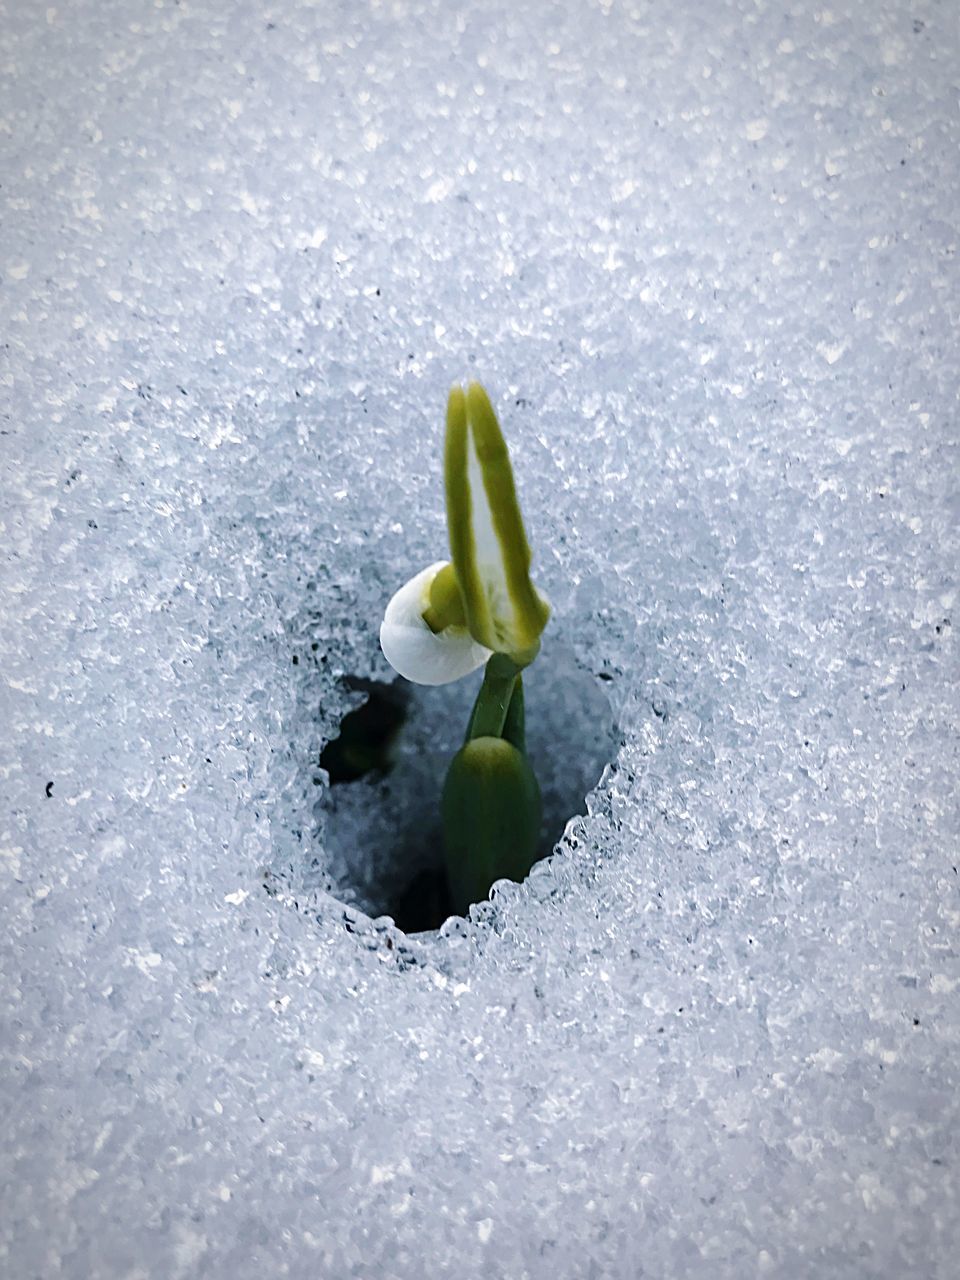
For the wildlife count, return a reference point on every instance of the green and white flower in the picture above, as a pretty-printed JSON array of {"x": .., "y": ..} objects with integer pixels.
[
  {"x": 487, "y": 538},
  {"x": 414, "y": 649},
  {"x": 449, "y": 619}
]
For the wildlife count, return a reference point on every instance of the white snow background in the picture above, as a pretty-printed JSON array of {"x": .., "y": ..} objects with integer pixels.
[{"x": 703, "y": 256}]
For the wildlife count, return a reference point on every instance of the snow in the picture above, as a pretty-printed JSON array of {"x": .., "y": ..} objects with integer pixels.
[{"x": 703, "y": 257}]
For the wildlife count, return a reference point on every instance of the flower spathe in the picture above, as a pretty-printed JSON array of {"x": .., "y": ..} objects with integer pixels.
[
  {"x": 488, "y": 542},
  {"x": 449, "y": 619},
  {"x": 414, "y": 650}
]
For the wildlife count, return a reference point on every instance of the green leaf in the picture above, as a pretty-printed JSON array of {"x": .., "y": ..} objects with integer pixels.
[{"x": 491, "y": 818}]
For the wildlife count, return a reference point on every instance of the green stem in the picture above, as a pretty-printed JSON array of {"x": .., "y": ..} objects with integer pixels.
[
  {"x": 514, "y": 729},
  {"x": 490, "y": 710}
]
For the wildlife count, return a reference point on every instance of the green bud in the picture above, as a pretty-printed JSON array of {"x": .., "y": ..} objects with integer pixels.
[
  {"x": 491, "y": 818},
  {"x": 488, "y": 543},
  {"x": 445, "y": 608}
]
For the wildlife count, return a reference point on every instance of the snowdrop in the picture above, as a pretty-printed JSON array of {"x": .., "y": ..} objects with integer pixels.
[
  {"x": 449, "y": 618},
  {"x": 481, "y": 608}
]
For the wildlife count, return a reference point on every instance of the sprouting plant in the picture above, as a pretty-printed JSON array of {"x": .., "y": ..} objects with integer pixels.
[{"x": 479, "y": 608}]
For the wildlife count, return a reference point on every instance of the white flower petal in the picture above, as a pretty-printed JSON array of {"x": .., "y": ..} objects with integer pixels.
[{"x": 416, "y": 652}]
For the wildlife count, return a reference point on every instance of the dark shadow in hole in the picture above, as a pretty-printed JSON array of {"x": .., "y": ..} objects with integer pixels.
[
  {"x": 368, "y": 734},
  {"x": 380, "y": 815}
]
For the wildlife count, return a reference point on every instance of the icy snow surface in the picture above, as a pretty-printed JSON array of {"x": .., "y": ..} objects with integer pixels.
[{"x": 704, "y": 257}]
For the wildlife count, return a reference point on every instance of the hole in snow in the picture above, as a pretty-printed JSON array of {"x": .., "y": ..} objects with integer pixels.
[{"x": 379, "y": 817}]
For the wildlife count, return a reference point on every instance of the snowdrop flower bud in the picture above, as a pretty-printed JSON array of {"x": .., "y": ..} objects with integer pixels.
[
  {"x": 413, "y": 648},
  {"x": 491, "y": 556}
]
